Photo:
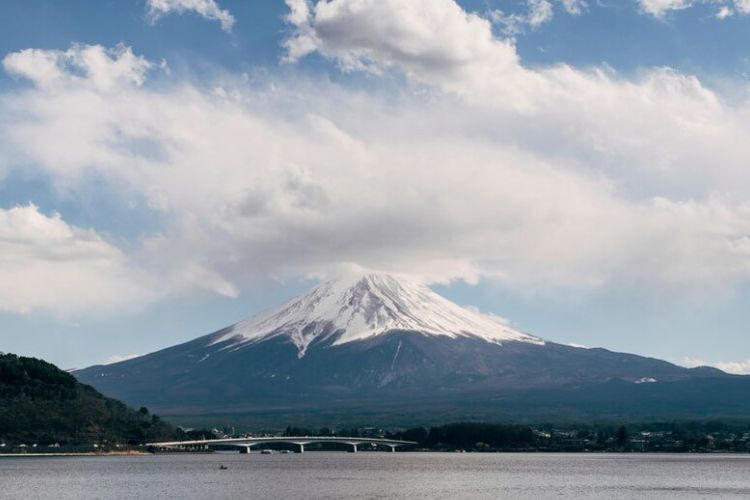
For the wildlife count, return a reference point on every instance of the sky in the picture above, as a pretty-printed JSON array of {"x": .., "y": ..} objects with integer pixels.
[{"x": 169, "y": 167}]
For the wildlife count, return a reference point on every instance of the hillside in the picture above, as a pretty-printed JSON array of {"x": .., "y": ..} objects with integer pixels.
[{"x": 39, "y": 403}]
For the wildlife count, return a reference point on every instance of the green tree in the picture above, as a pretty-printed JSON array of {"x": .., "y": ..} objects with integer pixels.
[{"x": 621, "y": 436}]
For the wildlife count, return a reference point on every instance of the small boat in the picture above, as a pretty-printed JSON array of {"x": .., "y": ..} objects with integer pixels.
[
  {"x": 223, "y": 467},
  {"x": 266, "y": 452},
  {"x": 285, "y": 451}
]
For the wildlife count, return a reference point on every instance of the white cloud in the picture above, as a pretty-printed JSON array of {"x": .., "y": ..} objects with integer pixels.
[
  {"x": 116, "y": 358},
  {"x": 659, "y": 7},
  {"x": 511, "y": 24},
  {"x": 538, "y": 178},
  {"x": 395, "y": 33},
  {"x": 726, "y": 8},
  {"x": 690, "y": 362},
  {"x": 91, "y": 65},
  {"x": 733, "y": 367},
  {"x": 574, "y": 7},
  {"x": 724, "y": 12},
  {"x": 539, "y": 12},
  {"x": 47, "y": 264},
  {"x": 206, "y": 8}
]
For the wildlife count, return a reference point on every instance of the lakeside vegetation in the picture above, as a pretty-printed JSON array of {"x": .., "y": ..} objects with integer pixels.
[
  {"x": 666, "y": 437},
  {"x": 674, "y": 437},
  {"x": 43, "y": 408}
]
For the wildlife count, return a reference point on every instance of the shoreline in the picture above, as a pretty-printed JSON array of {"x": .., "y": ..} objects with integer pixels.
[
  {"x": 77, "y": 454},
  {"x": 142, "y": 454}
]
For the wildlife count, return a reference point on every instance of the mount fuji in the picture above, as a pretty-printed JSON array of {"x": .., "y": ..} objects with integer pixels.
[
  {"x": 365, "y": 307},
  {"x": 381, "y": 348}
]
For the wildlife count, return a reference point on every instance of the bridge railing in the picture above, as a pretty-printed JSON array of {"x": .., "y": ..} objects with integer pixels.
[{"x": 301, "y": 441}]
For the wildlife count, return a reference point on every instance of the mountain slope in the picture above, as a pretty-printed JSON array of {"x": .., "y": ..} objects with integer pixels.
[
  {"x": 379, "y": 342},
  {"x": 40, "y": 403},
  {"x": 361, "y": 307}
]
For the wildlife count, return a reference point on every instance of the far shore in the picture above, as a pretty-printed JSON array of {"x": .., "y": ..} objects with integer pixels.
[
  {"x": 77, "y": 454},
  {"x": 507, "y": 452}
]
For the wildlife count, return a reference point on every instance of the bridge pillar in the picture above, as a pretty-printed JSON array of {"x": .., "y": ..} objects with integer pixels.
[
  {"x": 354, "y": 447},
  {"x": 393, "y": 448},
  {"x": 301, "y": 447},
  {"x": 244, "y": 450}
]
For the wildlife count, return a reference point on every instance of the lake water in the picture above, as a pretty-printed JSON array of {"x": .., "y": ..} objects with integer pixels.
[{"x": 377, "y": 475}]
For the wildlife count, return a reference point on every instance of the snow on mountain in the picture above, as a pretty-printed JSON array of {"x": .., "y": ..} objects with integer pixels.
[{"x": 356, "y": 308}]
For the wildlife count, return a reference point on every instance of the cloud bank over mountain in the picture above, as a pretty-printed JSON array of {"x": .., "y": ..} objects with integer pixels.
[
  {"x": 471, "y": 164},
  {"x": 48, "y": 264}
]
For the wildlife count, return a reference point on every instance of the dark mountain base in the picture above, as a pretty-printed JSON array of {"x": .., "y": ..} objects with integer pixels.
[
  {"x": 405, "y": 378},
  {"x": 610, "y": 402}
]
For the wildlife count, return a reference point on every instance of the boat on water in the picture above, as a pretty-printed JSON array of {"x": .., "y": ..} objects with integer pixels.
[{"x": 266, "y": 452}]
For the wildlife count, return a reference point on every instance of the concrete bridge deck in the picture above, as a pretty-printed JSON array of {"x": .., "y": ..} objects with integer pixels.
[{"x": 244, "y": 444}]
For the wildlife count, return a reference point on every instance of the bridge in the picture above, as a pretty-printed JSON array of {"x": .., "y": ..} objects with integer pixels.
[{"x": 244, "y": 444}]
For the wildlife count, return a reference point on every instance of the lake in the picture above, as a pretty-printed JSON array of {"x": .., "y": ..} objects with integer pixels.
[{"x": 378, "y": 475}]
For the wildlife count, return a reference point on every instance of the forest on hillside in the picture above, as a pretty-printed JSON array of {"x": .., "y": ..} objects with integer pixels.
[{"x": 45, "y": 406}]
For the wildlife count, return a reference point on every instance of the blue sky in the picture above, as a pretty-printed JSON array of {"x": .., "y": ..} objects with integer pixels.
[{"x": 168, "y": 167}]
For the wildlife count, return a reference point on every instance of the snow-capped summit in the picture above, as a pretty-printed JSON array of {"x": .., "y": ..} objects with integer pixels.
[{"x": 363, "y": 306}]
